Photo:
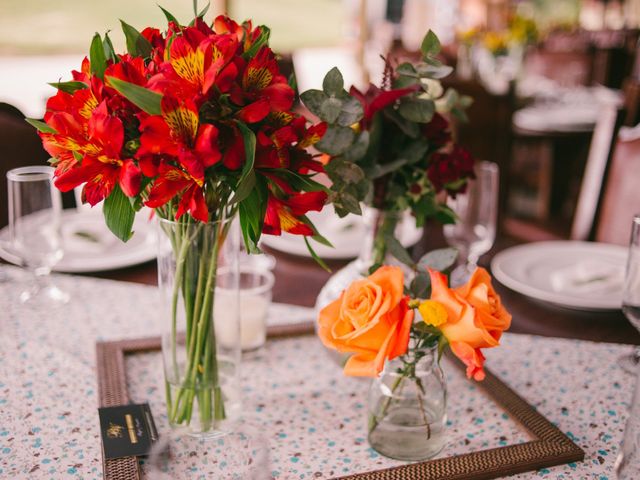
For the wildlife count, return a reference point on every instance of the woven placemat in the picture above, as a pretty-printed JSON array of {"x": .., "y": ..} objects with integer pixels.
[{"x": 551, "y": 447}]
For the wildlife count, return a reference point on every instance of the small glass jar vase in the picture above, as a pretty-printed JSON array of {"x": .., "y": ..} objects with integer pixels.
[{"x": 407, "y": 407}]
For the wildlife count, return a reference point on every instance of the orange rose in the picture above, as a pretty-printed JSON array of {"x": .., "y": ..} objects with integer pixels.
[
  {"x": 371, "y": 319},
  {"x": 475, "y": 317}
]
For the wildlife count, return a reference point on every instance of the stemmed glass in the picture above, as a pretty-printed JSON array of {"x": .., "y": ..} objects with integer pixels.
[
  {"x": 477, "y": 210},
  {"x": 631, "y": 294},
  {"x": 34, "y": 229},
  {"x": 628, "y": 462}
]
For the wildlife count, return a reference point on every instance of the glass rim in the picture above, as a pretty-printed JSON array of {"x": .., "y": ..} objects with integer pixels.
[
  {"x": 260, "y": 289},
  {"x": 33, "y": 173},
  {"x": 486, "y": 164}
]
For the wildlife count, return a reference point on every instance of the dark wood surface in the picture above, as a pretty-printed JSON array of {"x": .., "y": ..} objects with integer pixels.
[{"x": 298, "y": 281}]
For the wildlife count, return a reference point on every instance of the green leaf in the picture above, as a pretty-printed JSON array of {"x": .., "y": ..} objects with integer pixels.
[
  {"x": 351, "y": 112},
  {"x": 313, "y": 100},
  {"x": 415, "y": 151},
  {"x": 249, "y": 140},
  {"x": 439, "y": 260},
  {"x": 169, "y": 16},
  {"x": 109, "y": 51},
  {"x": 97, "y": 57},
  {"x": 396, "y": 249},
  {"x": 40, "y": 125},
  {"x": 251, "y": 212},
  {"x": 336, "y": 140},
  {"x": 245, "y": 185},
  {"x": 315, "y": 256},
  {"x": 148, "y": 100},
  {"x": 119, "y": 214},
  {"x": 330, "y": 110},
  {"x": 348, "y": 172},
  {"x": 358, "y": 149},
  {"x": 434, "y": 71},
  {"x": 446, "y": 215},
  {"x": 333, "y": 82},
  {"x": 69, "y": 87},
  {"x": 417, "y": 110},
  {"x": 380, "y": 170},
  {"x": 430, "y": 44},
  {"x": 137, "y": 45},
  {"x": 204, "y": 11},
  {"x": 350, "y": 203},
  {"x": 420, "y": 286}
]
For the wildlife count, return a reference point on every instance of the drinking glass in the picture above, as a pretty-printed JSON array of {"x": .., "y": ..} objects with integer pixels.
[
  {"x": 631, "y": 294},
  {"x": 242, "y": 454},
  {"x": 34, "y": 229},
  {"x": 477, "y": 210}
]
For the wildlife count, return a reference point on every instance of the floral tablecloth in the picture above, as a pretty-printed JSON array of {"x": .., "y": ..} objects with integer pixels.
[{"x": 313, "y": 418}]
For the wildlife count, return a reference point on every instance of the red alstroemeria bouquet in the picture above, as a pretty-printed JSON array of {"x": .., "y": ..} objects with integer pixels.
[{"x": 195, "y": 122}]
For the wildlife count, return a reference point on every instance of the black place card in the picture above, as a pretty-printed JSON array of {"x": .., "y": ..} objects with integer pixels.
[{"x": 127, "y": 430}]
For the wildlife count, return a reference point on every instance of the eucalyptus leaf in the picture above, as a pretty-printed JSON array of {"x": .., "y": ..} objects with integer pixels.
[
  {"x": 434, "y": 71},
  {"x": 313, "y": 100},
  {"x": 358, "y": 149},
  {"x": 336, "y": 140},
  {"x": 396, "y": 249},
  {"x": 439, "y": 260},
  {"x": 430, "y": 44},
  {"x": 351, "y": 112},
  {"x": 333, "y": 82},
  {"x": 330, "y": 109},
  {"x": 347, "y": 172},
  {"x": 380, "y": 170},
  {"x": 421, "y": 285},
  {"x": 119, "y": 214},
  {"x": 417, "y": 110}
]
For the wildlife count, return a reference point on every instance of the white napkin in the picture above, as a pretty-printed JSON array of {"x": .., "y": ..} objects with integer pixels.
[{"x": 588, "y": 277}]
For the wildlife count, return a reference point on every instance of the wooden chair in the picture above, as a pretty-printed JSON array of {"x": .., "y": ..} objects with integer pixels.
[
  {"x": 621, "y": 195},
  {"x": 598, "y": 162}
]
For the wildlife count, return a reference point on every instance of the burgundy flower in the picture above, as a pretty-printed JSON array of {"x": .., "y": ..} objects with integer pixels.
[
  {"x": 447, "y": 169},
  {"x": 437, "y": 131}
]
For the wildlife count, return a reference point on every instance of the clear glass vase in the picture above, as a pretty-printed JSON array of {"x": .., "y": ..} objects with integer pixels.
[
  {"x": 407, "y": 407},
  {"x": 201, "y": 351}
]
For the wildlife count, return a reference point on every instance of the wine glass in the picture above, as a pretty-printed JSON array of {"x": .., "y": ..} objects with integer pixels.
[
  {"x": 477, "y": 210},
  {"x": 628, "y": 462},
  {"x": 34, "y": 229},
  {"x": 631, "y": 293}
]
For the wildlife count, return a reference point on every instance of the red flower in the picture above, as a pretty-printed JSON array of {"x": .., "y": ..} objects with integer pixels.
[
  {"x": 376, "y": 99},
  {"x": 178, "y": 133},
  {"x": 285, "y": 214},
  {"x": 173, "y": 181},
  {"x": 447, "y": 169},
  {"x": 195, "y": 63},
  {"x": 437, "y": 131},
  {"x": 102, "y": 165},
  {"x": 262, "y": 88}
]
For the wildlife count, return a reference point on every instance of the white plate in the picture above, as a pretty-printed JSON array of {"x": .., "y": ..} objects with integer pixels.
[
  {"x": 89, "y": 246},
  {"x": 530, "y": 268},
  {"x": 346, "y": 234}
]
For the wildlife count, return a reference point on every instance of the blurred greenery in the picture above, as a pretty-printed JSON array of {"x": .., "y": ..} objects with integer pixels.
[{"x": 66, "y": 26}]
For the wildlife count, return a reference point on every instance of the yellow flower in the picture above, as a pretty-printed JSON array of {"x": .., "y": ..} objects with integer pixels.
[{"x": 433, "y": 313}]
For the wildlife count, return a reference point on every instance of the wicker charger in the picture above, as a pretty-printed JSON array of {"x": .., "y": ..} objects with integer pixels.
[{"x": 551, "y": 447}]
